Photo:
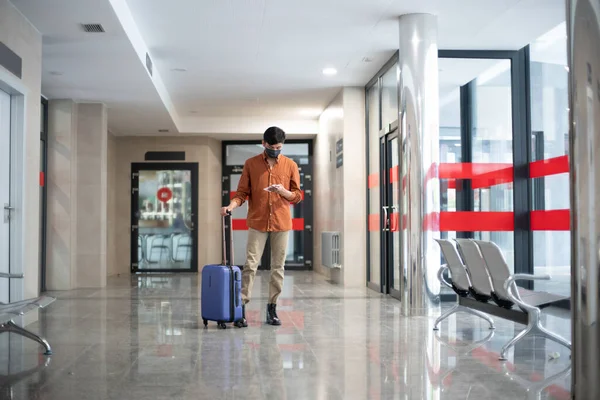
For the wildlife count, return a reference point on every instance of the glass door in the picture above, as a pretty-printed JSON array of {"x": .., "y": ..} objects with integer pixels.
[
  {"x": 164, "y": 216},
  {"x": 390, "y": 209},
  {"x": 5, "y": 193},
  {"x": 300, "y": 245}
]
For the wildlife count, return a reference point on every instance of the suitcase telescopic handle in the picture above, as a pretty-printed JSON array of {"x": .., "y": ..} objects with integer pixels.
[{"x": 230, "y": 259}]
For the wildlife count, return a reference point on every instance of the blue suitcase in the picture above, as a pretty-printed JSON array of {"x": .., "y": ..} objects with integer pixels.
[{"x": 221, "y": 295}]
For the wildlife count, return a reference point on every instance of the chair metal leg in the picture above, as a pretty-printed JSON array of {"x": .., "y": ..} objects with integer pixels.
[
  {"x": 445, "y": 315},
  {"x": 514, "y": 341},
  {"x": 480, "y": 315},
  {"x": 553, "y": 336},
  {"x": 10, "y": 326},
  {"x": 459, "y": 308},
  {"x": 535, "y": 328}
]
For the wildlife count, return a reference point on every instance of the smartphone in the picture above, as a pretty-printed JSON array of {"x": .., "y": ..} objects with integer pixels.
[{"x": 271, "y": 188}]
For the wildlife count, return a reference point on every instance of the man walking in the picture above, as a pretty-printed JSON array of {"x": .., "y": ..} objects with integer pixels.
[{"x": 270, "y": 182}]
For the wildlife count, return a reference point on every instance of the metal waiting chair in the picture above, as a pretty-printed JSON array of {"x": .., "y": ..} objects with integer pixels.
[
  {"x": 461, "y": 283},
  {"x": 481, "y": 284},
  {"x": 529, "y": 301},
  {"x": 20, "y": 308}
]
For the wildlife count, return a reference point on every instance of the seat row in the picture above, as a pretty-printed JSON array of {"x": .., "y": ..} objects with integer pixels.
[
  {"x": 485, "y": 286},
  {"x": 170, "y": 248}
]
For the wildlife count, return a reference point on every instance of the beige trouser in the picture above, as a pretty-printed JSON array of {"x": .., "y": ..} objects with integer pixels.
[{"x": 254, "y": 251}]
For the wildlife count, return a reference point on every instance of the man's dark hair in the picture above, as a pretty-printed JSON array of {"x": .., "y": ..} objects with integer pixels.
[{"x": 274, "y": 135}]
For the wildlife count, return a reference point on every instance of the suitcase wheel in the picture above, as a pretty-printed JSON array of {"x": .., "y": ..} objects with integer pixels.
[
  {"x": 221, "y": 325},
  {"x": 205, "y": 323}
]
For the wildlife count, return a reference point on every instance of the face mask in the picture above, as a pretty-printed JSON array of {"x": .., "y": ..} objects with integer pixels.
[{"x": 272, "y": 153}]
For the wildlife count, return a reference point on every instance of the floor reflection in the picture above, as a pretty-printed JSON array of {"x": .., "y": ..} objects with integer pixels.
[{"x": 142, "y": 338}]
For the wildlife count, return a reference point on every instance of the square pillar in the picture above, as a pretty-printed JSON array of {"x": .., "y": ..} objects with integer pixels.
[{"x": 77, "y": 195}]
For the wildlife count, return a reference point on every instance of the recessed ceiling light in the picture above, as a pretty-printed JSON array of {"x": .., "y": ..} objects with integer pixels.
[
  {"x": 329, "y": 71},
  {"x": 163, "y": 130},
  {"x": 56, "y": 73},
  {"x": 367, "y": 59},
  {"x": 179, "y": 69}
]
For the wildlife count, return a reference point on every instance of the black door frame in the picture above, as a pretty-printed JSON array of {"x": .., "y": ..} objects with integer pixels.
[
  {"x": 135, "y": 170},
  {"x": 307, "y": 209},
  {"x": 376, "y": 82},
  {"x": 44, "y": 191},
  {"x": 387, "y": 201}
]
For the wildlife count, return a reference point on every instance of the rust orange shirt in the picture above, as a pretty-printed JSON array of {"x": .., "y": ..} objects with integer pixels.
[{"x": 268, "y": 212}]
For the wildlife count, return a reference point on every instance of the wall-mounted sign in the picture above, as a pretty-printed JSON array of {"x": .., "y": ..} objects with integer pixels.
[
  {"x": 164, "y": 194},
  {"x": 11, "y": 61},
  {"x": 339, "y": 146},
  {"x": 339, "y": 160}
]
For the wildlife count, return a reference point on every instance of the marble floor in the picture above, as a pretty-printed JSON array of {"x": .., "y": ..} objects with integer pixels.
[{"x": 142, "y": 338}]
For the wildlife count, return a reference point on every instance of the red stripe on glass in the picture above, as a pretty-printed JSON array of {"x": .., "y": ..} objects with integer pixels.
[
  {"x": 42, "y": 179},
  {"x": 394, "y": 174},
  {"x": 239, "y": 224},
  {"x": 432, "y": 172},
  {"x": 551, "y": 166},
  {"x": 493, "y": 178},
  {"x": 395, "y": 222},
  {"x": 374, "y": 222},
  {"x": 373, "y": 181},
  {"x": 475, "y": 221},
  {"x": 453, "y": 221},
  {"x": 473, "y": 170},
  {"x": 483, "y": 175},
  {"x": 550, "y": 220}
]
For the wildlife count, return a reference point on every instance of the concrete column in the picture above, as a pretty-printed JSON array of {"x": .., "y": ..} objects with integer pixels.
[
  {"x": 62, "y": 195},
  {"x": 92, "y": 195},
  {"x": 419, "y": 157},
  {"x": 77, "y": 195},
  {"x": 583, "y": 18}
]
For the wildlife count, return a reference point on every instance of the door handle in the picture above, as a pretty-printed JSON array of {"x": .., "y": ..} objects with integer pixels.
[
  {"x": 385, "y": 218},
  {"x": 394, "y": 228},
  {"x": 7, "y": 210}
]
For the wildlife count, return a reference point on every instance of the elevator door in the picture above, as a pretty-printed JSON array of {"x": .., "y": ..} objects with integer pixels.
[{"x": 390, "y": 208}]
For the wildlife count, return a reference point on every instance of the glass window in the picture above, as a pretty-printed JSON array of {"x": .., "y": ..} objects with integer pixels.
[
  {"x": 237, "y": 154},
  {"x": 487, "y": 89},
  {"x": 549, "y": 126},
  {"x": 374, "y": 222},
  {"x": 492, "y": 139},
  {"x": 389, "y": 96},
  {"x": 450, "y": 131}
]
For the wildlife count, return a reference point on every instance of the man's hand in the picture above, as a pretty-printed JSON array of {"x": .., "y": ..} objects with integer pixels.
[
  {"x": 283, "y": 192},
  {"x": 226, "y": 210}
]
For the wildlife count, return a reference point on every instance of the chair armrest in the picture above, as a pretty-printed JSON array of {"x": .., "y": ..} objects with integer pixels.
[
  {"x": 511, "y": 288},
  {"x": 11, "y": 276},
  {"x": 440, "y": 275}
]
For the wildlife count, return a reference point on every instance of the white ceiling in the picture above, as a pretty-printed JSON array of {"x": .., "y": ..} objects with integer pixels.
[{"x": 249, "y": 64}]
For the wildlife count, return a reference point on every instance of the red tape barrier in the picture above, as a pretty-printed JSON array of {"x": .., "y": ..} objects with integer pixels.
[
  {"x": 482, "y": 175},
  {"x": 551, "y": 166},
  {"x": 479, "y": 221}
]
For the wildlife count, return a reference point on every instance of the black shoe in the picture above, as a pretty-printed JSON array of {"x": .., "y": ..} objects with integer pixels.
[
  {"x": 242, "y": 323},
  {"x": 272, "y": 318}
]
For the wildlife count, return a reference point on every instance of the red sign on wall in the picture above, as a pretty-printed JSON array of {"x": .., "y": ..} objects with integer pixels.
[{"x": 164, "y": 194}]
